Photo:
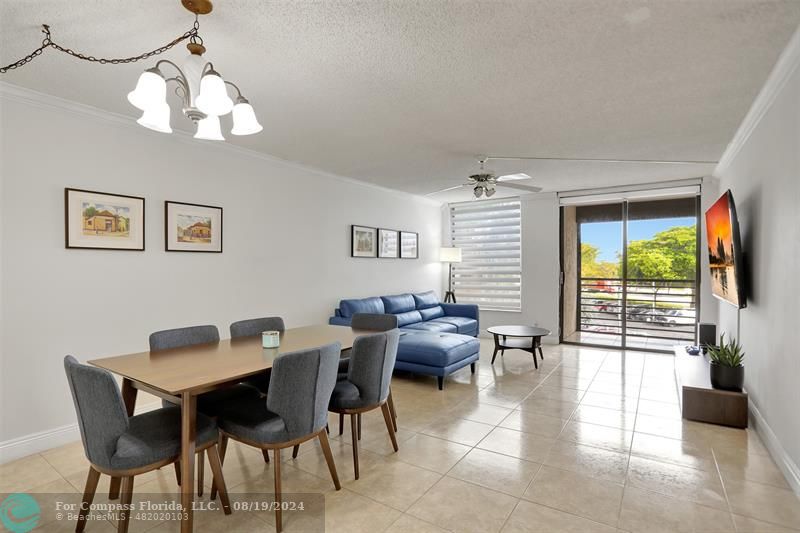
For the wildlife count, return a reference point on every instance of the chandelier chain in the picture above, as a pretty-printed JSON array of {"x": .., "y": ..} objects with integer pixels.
[{"x": 47, "y": 42}]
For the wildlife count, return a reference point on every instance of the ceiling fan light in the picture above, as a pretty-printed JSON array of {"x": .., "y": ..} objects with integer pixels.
[
  {"x": 244, "y": 119},
  {"x": 489, "y": 193},
  {"x": 478, "y": 191},
  {"x": 209, "y": 129},
  {"x": 150, "y": 91},
  {"x": 156, "y": 118},
  {"x": 213, "y": 98}
]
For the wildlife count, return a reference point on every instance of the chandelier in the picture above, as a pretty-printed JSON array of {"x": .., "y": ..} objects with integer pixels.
[{"x": 203, "y": 92}]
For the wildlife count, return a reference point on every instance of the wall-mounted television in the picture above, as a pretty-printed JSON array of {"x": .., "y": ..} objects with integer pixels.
[{"x": 725, "y": 251}]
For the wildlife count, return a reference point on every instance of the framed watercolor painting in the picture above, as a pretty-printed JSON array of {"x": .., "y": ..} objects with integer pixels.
[
  {"x": 388, "y": 243},
  {"x": 192, "y": 227},
  {"x": 363, "y": 241},
  {"x": 103, "y": 221},
  {"x": 409, "y": 245}
]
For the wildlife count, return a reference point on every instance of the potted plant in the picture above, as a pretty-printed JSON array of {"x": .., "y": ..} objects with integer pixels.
[{"x": 727, "y": 372}]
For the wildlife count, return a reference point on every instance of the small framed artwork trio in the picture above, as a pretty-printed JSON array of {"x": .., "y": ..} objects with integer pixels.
[
  {"x": 105, "y": 221},
  {"x": 366, "y": 241}
]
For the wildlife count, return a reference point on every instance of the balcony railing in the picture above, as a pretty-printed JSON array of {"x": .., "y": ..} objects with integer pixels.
[{"x": 653, "y": 308}]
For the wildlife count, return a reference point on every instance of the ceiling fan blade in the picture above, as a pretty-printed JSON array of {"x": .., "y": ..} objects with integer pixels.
[
  {"x": 445, "y": 190},
  {"x": 519, "y": 186},
  {"x": 514, "y": 177}
]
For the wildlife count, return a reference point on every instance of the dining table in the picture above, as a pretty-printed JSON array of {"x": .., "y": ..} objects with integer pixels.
[{"x": 179, "y": 375}]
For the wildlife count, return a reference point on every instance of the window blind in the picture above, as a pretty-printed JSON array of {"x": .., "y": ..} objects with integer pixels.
[{"x": 490, "y": 272}]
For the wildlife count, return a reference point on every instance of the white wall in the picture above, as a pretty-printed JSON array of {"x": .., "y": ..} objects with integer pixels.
[
  {"x": 762, "y": 169},
  {"x": 286, "y": 247}
]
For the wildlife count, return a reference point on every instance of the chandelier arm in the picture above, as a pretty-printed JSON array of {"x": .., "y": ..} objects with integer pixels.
[
  {"x": 238, "y": 91},
  {"x": 180, "y": 79}
]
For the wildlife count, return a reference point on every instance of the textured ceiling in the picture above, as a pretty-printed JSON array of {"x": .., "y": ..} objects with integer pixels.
[{"x": 406, "y": 93}]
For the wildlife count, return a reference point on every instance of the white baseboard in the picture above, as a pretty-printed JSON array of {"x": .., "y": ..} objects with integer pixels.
[
  {"x": 775, "y": 448},
  {"x": 13, "y": 449}
]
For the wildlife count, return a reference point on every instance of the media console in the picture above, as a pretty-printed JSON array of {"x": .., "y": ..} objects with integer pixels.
[{"x": 700, "y": 401}]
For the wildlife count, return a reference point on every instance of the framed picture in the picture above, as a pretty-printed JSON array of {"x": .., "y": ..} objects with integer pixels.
[
  {"x": 192, "y": 227},
  {"x": 363, "y": 241},
  {"x": 388, "y": 243},
  {"x": 103, "y": 221},
  {"x": 409, "y": 245}
]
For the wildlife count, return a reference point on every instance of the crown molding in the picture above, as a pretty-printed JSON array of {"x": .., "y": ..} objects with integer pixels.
[
  {"x": 41, "y": 100},
  {"x": 784, "y": 68}
]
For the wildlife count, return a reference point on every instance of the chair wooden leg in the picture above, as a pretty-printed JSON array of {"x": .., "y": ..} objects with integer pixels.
[
  {"x": 387, "y": 417},
  {"x": 341, "y": 423},
  {"x": 295, "y": 450},
  {"x": 354, "y": 433},
  {"x": 440, "y": 382},
  {"x": 125, "y": 500},
  {"x": 201, "y": 469},
  {"x": 88, "y": 497},
  {"x": 223, "y": 447},
  {"x": 358, "y": 420},
  {"x": 326, "y": 451},
  {"x": 390, "y": 401},
  {"x": 265, "y": 453},
  {"x": 278, "y": 514},
  {"x": 219, "y": 481},
  {"x": 113, "y": 488},
  {"x": 178, "y": 471}
]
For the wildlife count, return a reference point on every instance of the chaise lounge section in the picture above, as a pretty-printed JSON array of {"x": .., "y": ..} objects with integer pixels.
[{"x": 436, "y": 339}]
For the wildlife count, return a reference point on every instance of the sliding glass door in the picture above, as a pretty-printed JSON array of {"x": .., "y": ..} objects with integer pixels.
[{"x": 629, "y": 273}]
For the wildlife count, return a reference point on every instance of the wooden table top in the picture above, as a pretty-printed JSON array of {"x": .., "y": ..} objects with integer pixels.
[{"x": 196, "y": 367}]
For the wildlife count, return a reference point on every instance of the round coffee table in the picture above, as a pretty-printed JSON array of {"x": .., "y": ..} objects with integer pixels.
[{"x": 516, "y": 338}]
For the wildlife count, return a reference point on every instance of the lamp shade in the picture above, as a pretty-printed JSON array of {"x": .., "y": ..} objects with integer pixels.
[
  {"x": 208, "y": 129},
  {"x": 150, "y": 91},
  {"x": 213, "y": 98},
  {"x": 156, "y": 118},
  {"x": 450, "y": 255},
  {"x": 244, "y": 119}
]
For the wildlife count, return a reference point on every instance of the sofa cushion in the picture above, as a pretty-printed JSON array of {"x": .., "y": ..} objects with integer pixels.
[
  {"x": 436, "y": 327},
  {"x": 431, "y": 312},
  {"x": 424, "y": 300},
  {"x": 463, "y": 325},
  {"x": 372, "y": 305},
  {"x": 435, "y": 349},
  {"x": 398, "y": 303},
  {"x": 411, "y": 317}
]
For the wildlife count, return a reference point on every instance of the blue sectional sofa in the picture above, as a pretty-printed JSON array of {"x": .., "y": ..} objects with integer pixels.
[{"x": 436, "y": 338}]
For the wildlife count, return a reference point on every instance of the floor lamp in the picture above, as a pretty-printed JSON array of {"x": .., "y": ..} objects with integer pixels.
[{"x": 450, "y": 256}]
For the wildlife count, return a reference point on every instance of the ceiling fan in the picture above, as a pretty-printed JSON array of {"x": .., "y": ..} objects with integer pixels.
[{"x": 485, "y": 182}]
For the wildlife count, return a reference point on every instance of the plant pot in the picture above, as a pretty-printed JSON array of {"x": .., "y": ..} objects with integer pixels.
[{"x": 727, "y": 377}]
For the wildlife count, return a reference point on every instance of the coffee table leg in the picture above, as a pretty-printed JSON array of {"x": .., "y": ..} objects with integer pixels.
[
  {"x": 539, "y": 347},
  {"x": 496, "y": 345}
]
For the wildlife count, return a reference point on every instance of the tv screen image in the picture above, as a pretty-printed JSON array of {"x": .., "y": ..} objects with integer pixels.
[{"x": 725, "y": 251}]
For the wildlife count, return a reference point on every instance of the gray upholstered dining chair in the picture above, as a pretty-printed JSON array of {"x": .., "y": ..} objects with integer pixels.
[
  {"x": 295, "y": 410},
  {"x": 369, "y": 322},
  {"x": 369, "y": 376},
  {"x": 123, "y": 447},
  {"x": 169, "y": 339},
  {"x": 250, "y": 328}
]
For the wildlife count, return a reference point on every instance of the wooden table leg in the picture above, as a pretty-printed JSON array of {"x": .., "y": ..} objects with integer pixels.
[
  {"x": 496, "y": 347},
  {"x": 129, "y": 398},
  {"x": 188, "y": 438}
]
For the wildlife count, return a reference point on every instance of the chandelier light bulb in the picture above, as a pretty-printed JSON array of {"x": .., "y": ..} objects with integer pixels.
[
  {"x": 244, "y": 118},
  {"x": 209, "y": 129},
  {"x": 156, "y": 118},
  {"x": 213, "y": 98},
  {"x": 150, "y": 91}
]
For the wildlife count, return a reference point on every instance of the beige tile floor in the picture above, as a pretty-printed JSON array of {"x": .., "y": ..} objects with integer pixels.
[{"x": 592, "y": 441}]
